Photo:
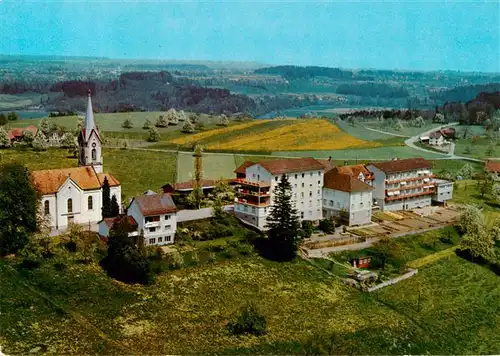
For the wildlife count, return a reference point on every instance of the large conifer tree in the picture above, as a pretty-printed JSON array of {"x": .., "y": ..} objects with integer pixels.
[
  {"x": 106, "y": 200},
  {"x": 283, "y": 223}
]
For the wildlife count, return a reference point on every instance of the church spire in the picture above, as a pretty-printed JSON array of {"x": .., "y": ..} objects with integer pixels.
[{"x": 89, "y": 124}]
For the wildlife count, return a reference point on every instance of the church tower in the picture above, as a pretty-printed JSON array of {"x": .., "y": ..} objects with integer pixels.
[{"x": 89, "y": 142}]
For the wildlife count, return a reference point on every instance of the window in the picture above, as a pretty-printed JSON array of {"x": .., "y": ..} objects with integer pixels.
[
  {"x": 311, "y": 174},
  {"x": 46, "y": 207},
  {"x": 152, "y": 218},
  {"x": 319, "y": 173},
  {"x": 302, "y": 215},
  {"x": 152, "y": 241},
  {"x": 310, "y": 185},
  {"x": 296, "y": 176},
  {"x": 324, "y": 201},
  {"x": 160, "y": 239},
  {"x": 168, "y": 227},
  {"x": 90, "y": 203},
  {"x": 168, "y": 238},
  {"x": 331, "y": 202},
  {"x": 253, "y": 210},
  {"x": 310, "y": 193},
  {"x": 152, "y": 229},
  {"x": 319, "y": 182},
  {"x": 70, "y": 205},
  {"x": 167, "y": 217},
  {"x": 303, "y": 175},
  {"x": 302, "y": 194},
  {"x": 310, "y": 203},
  {"x": 295, "y": 185},
  {"x": 94, "y": 154},
  {"x": 319, "y": 192},
  {"x": 276, "y": 178}
]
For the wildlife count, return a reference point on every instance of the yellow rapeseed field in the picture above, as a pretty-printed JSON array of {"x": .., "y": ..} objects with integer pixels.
[
  {"x": 298, "y": 135},
  {"x": 203, "y": 135}
]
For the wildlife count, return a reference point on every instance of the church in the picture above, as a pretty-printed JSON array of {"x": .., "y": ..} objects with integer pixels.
[{"x": 74, "y": 195}]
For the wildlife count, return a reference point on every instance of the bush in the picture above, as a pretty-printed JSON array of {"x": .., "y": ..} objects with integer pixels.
[
  {"x": 327, "y": 226},
  {"x": 154, "y": 135},
  {"x": 147, "y": 125},
  {"x": 307, "y": 228},
  {"x": 248, "y": 321},
  {"x": 127, "y": 124}
]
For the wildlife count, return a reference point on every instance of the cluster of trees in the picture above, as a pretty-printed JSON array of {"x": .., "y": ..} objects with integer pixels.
[
  {"x": 291, "y": 72},
  {"x": 373, "y": 90},
  {"x": 5, "y": 118},
  {"x": 464, "y": 93}
]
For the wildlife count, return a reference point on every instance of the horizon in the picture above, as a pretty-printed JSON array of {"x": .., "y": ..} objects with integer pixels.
[{"x": 408, "y": 36}]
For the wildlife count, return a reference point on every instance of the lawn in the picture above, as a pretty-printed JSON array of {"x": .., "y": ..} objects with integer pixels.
[
  {"x": 468, "y": 192},
  {"x": 136, "y": 170},
  {"x": 454, "y": 165},
  {"x": 367, "y": 154},
  {"x": 215, "y": 166},
  {"x": 406, "y": 131},
  {"x": 78, "y": 310},
  {"x": 361, "y": 132}
]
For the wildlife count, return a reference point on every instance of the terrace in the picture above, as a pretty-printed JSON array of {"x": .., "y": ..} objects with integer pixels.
[
  {"x": 253, "y": 202},
  {"x": 248, "y": 183}
]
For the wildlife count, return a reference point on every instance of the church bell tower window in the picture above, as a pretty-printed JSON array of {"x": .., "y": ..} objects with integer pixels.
[{"x": 94, "y": 154}]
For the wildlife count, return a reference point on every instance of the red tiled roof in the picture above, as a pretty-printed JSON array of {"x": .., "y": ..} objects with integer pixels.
[
  {"x": 205, "y": 183},
  {"x": 111, "y": 221},
  {"x": 113, "y": 182},
  {"x": 355, "y": 170},
  {"x": 492, "y": 166},
  {"x": 402, "y": 165},
  {"x": 242, "y": 169},
  {"x": 289, "y": 165},
  {"x": 17, "y": 132},
  {"x": 155, "y": 204},
  {"x": 50, "y": 180},
  {"x": 344, "y": 182},
  {"x": 436, "y": 134},
  {"x": 327, "y": 164}
]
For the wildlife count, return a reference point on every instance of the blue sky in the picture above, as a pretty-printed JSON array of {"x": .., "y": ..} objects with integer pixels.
[{"x": 421, "y": 35}]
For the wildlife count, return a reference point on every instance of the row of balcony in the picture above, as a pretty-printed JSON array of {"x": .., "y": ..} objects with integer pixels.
[
  {"x": 406, "y": 187},
  {"x": 252, "y": 184},
  {"x": 407, "y": 196},
  {"x": 409, "y": 179},
  {"x": 258, "y": 193},
  {"x": 252, "y": 202}
]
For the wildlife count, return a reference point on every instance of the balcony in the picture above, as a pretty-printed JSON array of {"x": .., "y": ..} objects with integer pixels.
[
  {"x": 408, "y": 196},
  {"x": 409, "y": 179},
  {"x": 152, "y": 224},
  {"x": 252, "y": 184},
  {"x": 423, "y": 185},
  {"x": 254, "y": 193},
  {"x": 251, "y": 202}
]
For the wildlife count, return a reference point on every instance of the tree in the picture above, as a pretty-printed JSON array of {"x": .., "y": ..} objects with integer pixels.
[
  {"x": 478, "y": 243},
  {"x": 198, "y": 176},
  {"x": 223, "y": 120},
  {"x": 248, "y": 321},
  {"x": 172, "y": 117},
  {"x": 124, "y": 260},
  {"x": 217, "y": 209},
  {"x": 154, "y": 135},
  {"x": 162, "y": 121},
  {"x": 199, "y": 126},
  {"x": 439, "y": 118},
  {"x": 18, "y": 208},
  {"x": 283, "y": 223},
  {"x": 188, "y": 127},
  {"x": 106, "y": 200},
  {"x": 40, "y": 142},
  {"x": 471, "y": 220},
  {"x": 68, "y": 141},
  {"x": 489, "y": 151},
  {"x": 466, "y": 171},
  {"x": 79, "y": 126},
  {"x": 147, "y": 125},
  {"x": 386, "y": 249},
  {"x": 3, "y": 119},
  {"x": 495, "y": 192},
  {"x": 223, "y": 191},
  {"x": 28, "y": 138},
  {"x": 418, "y": 122},
  {"x": 115, "y": 208},
  {"x": 45, "y": 126},
  {"x": 127, "y": 124},
  {"x": 486, "y": 184},
  {"x": 4, "y": 138},
  {"x": 182, "y": 116},
  {"x": 12, "y": 116},
  {"x": 398, "y": 125}
]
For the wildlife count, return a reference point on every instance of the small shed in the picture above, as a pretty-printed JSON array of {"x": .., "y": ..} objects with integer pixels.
[
  {"x": 361, "y": 262},
  {"x": 106, "y": 224}
]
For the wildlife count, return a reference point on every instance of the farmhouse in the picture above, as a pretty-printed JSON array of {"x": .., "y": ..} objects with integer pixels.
[
  {"x": 256, "y": 190},
  {"x": 492, "y": 167},
  {"x": 402, "y": 184},
  {"x": 16, "y": 133},
  {"x": 74, "y": 195},
  {"x": 347, "y": 196},
  {"x": 156, "y": 217},
  {"x": 436, "y": 138}
]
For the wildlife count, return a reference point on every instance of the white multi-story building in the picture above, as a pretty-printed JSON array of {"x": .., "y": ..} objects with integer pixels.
[
  {"x": 347, "y": 196},
  {"x": 74, "y": 195},
  {"x": 402, "y": 184},
  {"x": 155, "y": 215},
  {"x": 257, "y": 184}
]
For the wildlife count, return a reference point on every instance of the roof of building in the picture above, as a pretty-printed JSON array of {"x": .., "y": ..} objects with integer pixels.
[
  {"x": 289, "y": 165},
  {"x": 17, "y": 132},
  {"x": 492, "y": 166},
  {"x": 189, "y": 185},
  {"x": 327, "y": 164},
  {"x": 242, "y": 169},
  {"x": 344, "y": 182},
  {"x": 448, "y": 130},
  {"x": 436, "y": 134},
  {"x": 402, "y": 165},
  {"x": 111, "y": 221},
  {"x": 155, "y": 204},
  {"x": 354, "y": 170},
  {"x": 50, "y": 180}
]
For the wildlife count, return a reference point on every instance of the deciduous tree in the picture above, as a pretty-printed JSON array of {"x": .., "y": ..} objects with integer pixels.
[
  {"x": 18, "y": 208},
  {"x": 154, "y": 135},
  {"x": 223, "y": 120},
  {"x": 40, "y": 142},
  {"x": 127, "y": 124},
  {"x": 45, "y": 126},
  {"x": 187, "y": 127},
  {"x": 4, "y": 138},
  {"x": 28, "y": 138},
  {"x": 147, "y": 125}
]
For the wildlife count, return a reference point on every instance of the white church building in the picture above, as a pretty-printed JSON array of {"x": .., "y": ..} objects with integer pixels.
[{"x": 74, "y": 195}]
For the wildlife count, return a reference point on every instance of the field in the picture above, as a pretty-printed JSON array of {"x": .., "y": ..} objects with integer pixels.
[
  {"x": 406, "y": 131},
  {"x": 136, "y": 170},
  {"x": 482, "y": 148},
  {"x": 12, "y": 102},
  {"x": 78, "y": 310},
  {"x": 283, "y": 135}
]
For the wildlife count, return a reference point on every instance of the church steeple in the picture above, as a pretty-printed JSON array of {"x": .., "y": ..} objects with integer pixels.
[{"x": 89, "y": 141}]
